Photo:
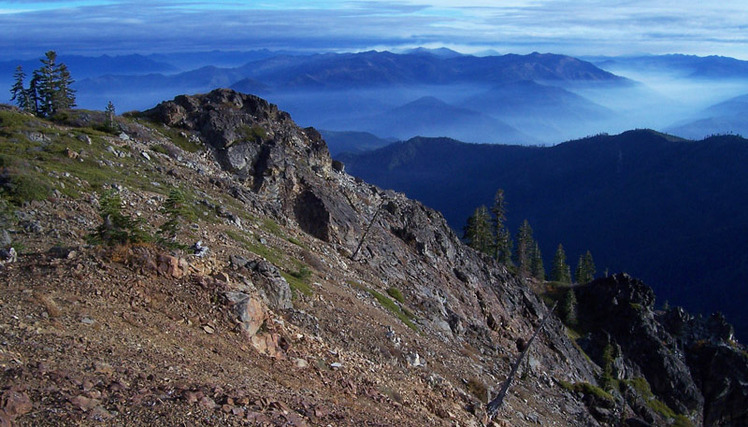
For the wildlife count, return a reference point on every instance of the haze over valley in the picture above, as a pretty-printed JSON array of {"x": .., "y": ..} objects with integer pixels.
[
  {"x": 348, "y": 212},
  {"x": 513, "y": 99}
]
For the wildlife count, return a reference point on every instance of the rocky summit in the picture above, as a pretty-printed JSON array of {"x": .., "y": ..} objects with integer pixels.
[{"x": 291, "y": 293}]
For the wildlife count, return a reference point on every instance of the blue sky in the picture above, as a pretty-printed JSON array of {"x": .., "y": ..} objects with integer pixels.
[{"x": 580, "y": 27}]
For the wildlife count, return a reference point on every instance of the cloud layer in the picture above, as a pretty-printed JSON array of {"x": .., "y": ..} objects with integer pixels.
[{"x": 580, "y": 27}]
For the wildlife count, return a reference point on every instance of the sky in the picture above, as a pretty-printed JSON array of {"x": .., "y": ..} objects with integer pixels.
[{"x": 578, "y": 27}]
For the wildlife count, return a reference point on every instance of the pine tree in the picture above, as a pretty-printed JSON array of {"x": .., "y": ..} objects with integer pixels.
[
  {"x": 536, "y": 264},
  {"x": 569, "y": 308},
  {"x": 585, "y": 272},
  {"x": 177, "y": 211},
  {"x": 18, "y": 93},
  {"x": 64, "y": 95},
  {"x": 525, "y": 245},
  {"x": 50, "y": 89},
  {"x": 116, "y": 228},
  {"x": 501, "y": 235},
  {"x": 505, "y": 257},
  {"x": 560, "y": 271},
  {"x": 45, "y": 85},
  {"x": 109, "y": 116},
  {"x": 477, "y": 231}
]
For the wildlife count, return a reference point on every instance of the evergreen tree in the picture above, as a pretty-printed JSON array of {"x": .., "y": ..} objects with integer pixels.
[
  {"x": 525, "y": 244},
  {"x": 505, "y": 256},
  {"x": 585, "y": 272},
  {"x": 18, "y": 93},
  {"x": 63, "y": 97},
  {"x": 569, "y": 308},
  {"x": 177, "y": 211},
  {"x": 560, "y": 271},
  {"x": 536, "y": 264},
  {"x": 109, "y": 116},
  {"x": 45, "y": 85},
  {"x": 116, "y": 228},
  {"x": 477, "y": 231},
  {"x": 49, "y": 90},
  {"x": 501, "y": 235}
]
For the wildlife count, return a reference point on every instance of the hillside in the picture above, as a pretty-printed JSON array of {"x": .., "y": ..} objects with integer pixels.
[
  {"x": 320, "y": 299},
  {"x": 668, "y": 210}
]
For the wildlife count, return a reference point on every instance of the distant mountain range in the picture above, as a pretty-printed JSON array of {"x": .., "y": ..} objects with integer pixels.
[
  {"x": 82, "y": 67},
  {"x": 727, "y": 117},
  {"x": 352, "y": 142},
  {"x": 707, "y": 67},
  {"x": 524, "y": 99},
  {"x": 669, "y": 210}
]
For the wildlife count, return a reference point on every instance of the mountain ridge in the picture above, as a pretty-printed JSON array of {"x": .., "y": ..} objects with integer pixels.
[
  {"x": 631, "y": 198},
  {"x": 304, "y": 288}
]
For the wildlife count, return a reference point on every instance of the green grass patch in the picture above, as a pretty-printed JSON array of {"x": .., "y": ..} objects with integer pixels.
[
  {"x": 13, "y": 121},
  {"x": 256, "y": 247},
  {"x": 396, "y": 294},
  {"x": 272, "y": 227},
  {"x": 297, "y": 284},
  {"x": 23, "y": 185},
  {"x": 643, "y": 388},
  {"x": 254, "y": 133},
  {"x": 587, "y": 388},
  {"x": 160, "y": 148},
  {"x": 295, "y": 242},
  {"x": 394, "y": 308}
]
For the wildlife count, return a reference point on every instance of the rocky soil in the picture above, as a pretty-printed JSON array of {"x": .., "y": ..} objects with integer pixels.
[{"x": 321, "y": 300}]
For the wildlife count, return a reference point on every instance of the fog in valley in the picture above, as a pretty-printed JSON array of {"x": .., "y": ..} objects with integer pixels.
[{"x": 662, "y": 93}]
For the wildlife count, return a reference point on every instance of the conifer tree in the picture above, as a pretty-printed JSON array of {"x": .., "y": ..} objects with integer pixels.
[
  {"x": 64, "y": 95},
  {"x": 536, "y": 263},
  {"x": 19, "y": 94},
  {"x": 569, "y": 308},
  {"x": 585, "y": 272},
  {"x": 501, "y": 235},
  {"x": 117, "y": 228},
  {"x": 525, "y": 245},
  {"x": 560, "y": 271},
  {"x": 50, "y": 89},
  {"x": 505, "y": 256},
  {"x": 44, "y": 84},
  {"x": 109, "y": 116},
  {"x": 477, "y": 231},
  {"x": 177, "y": 211}
]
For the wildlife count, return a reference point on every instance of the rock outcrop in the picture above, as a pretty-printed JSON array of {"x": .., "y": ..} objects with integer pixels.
[{"x": 691, "y": 364}]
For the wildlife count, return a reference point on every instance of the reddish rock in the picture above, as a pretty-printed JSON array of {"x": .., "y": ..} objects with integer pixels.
[
  {"x": 16, "y": 403},
  {"x": 84, "y": 403},
  {"x": 268, "y": 344},
  {"x": 172, "y": 266}
]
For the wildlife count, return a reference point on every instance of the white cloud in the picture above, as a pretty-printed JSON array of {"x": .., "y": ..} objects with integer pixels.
[{"x": 564, "y": 26}]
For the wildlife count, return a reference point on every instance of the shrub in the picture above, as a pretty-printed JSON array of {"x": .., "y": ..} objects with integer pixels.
[
  {"x": 254, "y": 133},
  {"x": 478, "y": 389},
  {"x": 117, "y": 228},
  {"x": 177, "y": 212},
  {"x": 20, "y": 184}
]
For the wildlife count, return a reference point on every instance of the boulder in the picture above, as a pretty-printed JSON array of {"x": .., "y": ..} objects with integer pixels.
[
  {"x": 250, "y": 310},
  {"x": 274, "y": 288},
  {"x": 172, "y": 266}
]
